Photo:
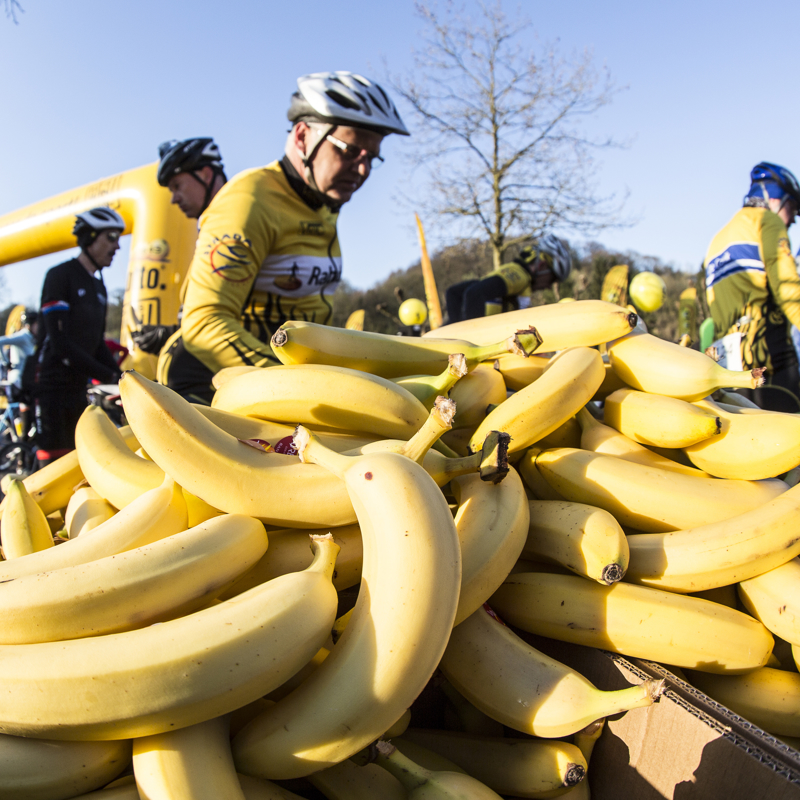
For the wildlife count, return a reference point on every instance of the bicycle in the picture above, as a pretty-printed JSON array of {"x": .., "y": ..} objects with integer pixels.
[{"x": 17, "y": 449}]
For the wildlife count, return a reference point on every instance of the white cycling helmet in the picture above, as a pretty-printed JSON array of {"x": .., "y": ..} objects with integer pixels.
[
  {"x": 344, "y": 98},
  {"x": 92, "y": 222},
  {"x": 557, "y": 250}
]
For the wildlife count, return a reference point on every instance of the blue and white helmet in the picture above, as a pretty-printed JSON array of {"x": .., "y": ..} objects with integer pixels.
[
  {"x": 773, "y": 181},
  {"x": 345, "y": 98}
]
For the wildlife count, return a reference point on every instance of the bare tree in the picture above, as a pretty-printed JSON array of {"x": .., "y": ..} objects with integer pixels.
[
  {"x": 500, "y": 136},
  {"x": 12, "y": 7}
]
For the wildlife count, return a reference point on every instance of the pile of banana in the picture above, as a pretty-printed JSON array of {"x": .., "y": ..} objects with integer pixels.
[{"x": 323, "y": 584}]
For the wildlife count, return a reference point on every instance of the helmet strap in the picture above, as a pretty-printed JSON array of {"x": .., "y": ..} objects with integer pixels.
[
  {"x": 209, "y": 187},
  {"x": 308, "y": 157}
]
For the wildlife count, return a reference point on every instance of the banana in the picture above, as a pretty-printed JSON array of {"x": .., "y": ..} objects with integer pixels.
[
  {"x": 85, "y": 511},
  {"x": 584, "y": 539},
  {"x": 585, "y": 740},
  {"x": 719, "y": 554},
  {"x": 427, "y": 758},
  {"x": 566, "y": 435},
  {"x": 461, "y": 715},
  {"x": 171, "y": 675},
  {"x": 258, "y": 789},
  {"x": 474, "y": 393},
  {"x": 655, "y": 365},
  {"x": 768, "y": 697},
  {"x": 51, "y": 486},
  {"x": 426, "y": 388},
  {"x": 774, "y": 598},
  {"x": 538, "y": 487},
  {"x": 155, "y": 515},
  {"x": 584, "y": 323},
  {"x": 25, "y": 528},
  {"x": 226, "y": 473},
  {"x": 226, "y": 373},
  {"x": 395, "y": 637},
  {"x": 198, "y": 510},
  {"x": 519, "y": 371},
  {"x": 44, "y": 769},
  {"x": 635, "y": 621},
  {"x": 647, "y": 498},
  {"x": 297, "y": 342},
  {"x": 600, "y": 438},
  {"x": 112, "y": 470},
  {"x": 654, "y": 419},
  {"x": 531, "y": 413},
  {"x": 524, "y": 689},
  {"x": 167, "y": 578},
  {"x": 288, "y": 552},
  {"x": 426, "y": 784},
  {"x": 335, "y": 398},
  {"x": 754, "y": 444},
  {"x": 517, "y": 767},
  {"x": 193, "y": 763},
  {"x": 346, "y": 781},
  {"x": 492, "y": 524}
]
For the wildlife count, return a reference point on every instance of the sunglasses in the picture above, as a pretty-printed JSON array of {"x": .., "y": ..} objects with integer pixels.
[{"x": 352, "y": 152}]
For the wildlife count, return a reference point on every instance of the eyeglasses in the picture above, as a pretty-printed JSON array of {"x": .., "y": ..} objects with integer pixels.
[
  {"x": 113, "y": 236},
  {"x": 352, "y": 152}
]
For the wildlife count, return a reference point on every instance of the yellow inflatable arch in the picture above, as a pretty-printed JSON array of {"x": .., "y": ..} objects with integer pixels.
[{"x": 161, "y": 248}]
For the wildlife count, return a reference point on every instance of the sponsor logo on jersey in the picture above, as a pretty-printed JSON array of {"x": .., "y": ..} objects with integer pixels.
[
  {"x": 311, "y": 228},
  {"x": 229, "y": 258},
  {"x": 298, "y": 275}
]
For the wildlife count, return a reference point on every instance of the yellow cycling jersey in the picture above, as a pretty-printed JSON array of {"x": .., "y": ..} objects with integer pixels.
[
  {"x": 752, "y": 287},
  {"x": 263, "y": 256}
]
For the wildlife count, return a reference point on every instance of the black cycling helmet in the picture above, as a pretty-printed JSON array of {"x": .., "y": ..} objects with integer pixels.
[
  {"x": 189, "y": 156},
  {"x": 88, "y": 224},
  {"x": 29, "y": 317}
]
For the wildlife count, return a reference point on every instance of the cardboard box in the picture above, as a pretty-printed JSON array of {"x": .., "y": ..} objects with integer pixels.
[{"x": 686, "y": 746}]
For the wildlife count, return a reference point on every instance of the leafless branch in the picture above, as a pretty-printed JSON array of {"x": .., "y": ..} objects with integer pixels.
[{"x": 11, "y": 8}]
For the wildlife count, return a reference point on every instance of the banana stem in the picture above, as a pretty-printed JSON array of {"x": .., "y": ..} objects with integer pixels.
[
  {"x": 325, "y": 551},
  {"x": 408, "y": 772},
  {"x": 586, "y": 420},
  {"x": 751, "y": 379},
  {"x": 463, "y": 465},
  {"x": 522, "y": 343},
  {"x": 311, "y": 450},
  {"x": 439, "y": 421}
]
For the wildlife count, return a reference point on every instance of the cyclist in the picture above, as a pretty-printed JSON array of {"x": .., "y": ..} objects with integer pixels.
[
  {"x": 538, "y": 266},
  {"x": 268, "y": 250},
  {"x": 193, "y": 172},
  {"x": 753, "y": 288},
  {"x": 73, "y": 313},
  {"x": 15, "y": 349}
]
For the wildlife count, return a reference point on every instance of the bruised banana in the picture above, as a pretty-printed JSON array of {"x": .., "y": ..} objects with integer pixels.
[
  {"x": 395, "y": 638},
  {"x": 635, "y": 621},
  {"x": 297, "y": 342},
  {"x": 193, "y": 762},
  {"x": 584, "y": 323},
  {"x": 492, "y": 524},
  {"x": 155, "y": 515},
  {"x": 525, "y": 689},
  {"x": 719, "y": 554},
  {"x": 655, "y": 365},
  {"x": 225, "y": 472},
  {"x": 584, "y": 539},
  {"x": 754, "y": 444},
  {"x": 167, "y": 578},
  {"x": 112, "y": 470},
  {"x": 517, "y": 767},
  {"x": 531, "y": 413},
  {"x": 659, "y": 421},
  {"x": 25, "y": 529},
  {"x": 774, "y": 598},
  {"x": 426, "y": 784},
  {"x": 647, "y": 498},
  {"x": 85, "y": 511},
  {"x": 768, "y": 697},
  {"x": 43, "y": 769},
  {"x": 171, "y": 675},
  {"x": 600, "y": 438}
]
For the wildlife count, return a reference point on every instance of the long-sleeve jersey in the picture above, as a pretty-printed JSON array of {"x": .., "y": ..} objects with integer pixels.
[
  {"x": 15, "y": 349},
  {"x": 73, "y": 313},
  {"x": 264, "y": 255},
  {"x": 753, "y": 287}
]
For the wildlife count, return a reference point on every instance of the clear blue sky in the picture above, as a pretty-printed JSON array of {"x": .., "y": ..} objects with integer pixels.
[{"x": 90, "y": 88}]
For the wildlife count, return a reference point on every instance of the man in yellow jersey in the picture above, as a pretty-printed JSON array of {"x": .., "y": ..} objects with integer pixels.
[
  {"x": 753, "y": 288},
  {"x": 267, "y": 250},
  {"x": 537, "y": 267}
]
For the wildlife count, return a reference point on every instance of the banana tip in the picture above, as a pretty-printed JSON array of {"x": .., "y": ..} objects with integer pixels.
[{"x": 758, "y": 376}]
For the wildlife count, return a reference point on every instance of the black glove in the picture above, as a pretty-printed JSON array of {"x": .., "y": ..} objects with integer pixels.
[{"x": 151, "y": 338}]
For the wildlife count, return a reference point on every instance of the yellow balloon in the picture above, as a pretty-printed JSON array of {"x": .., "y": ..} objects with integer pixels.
[
  {"x": 647, "y": 291},
  {"x": 413, "y": 312}
]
